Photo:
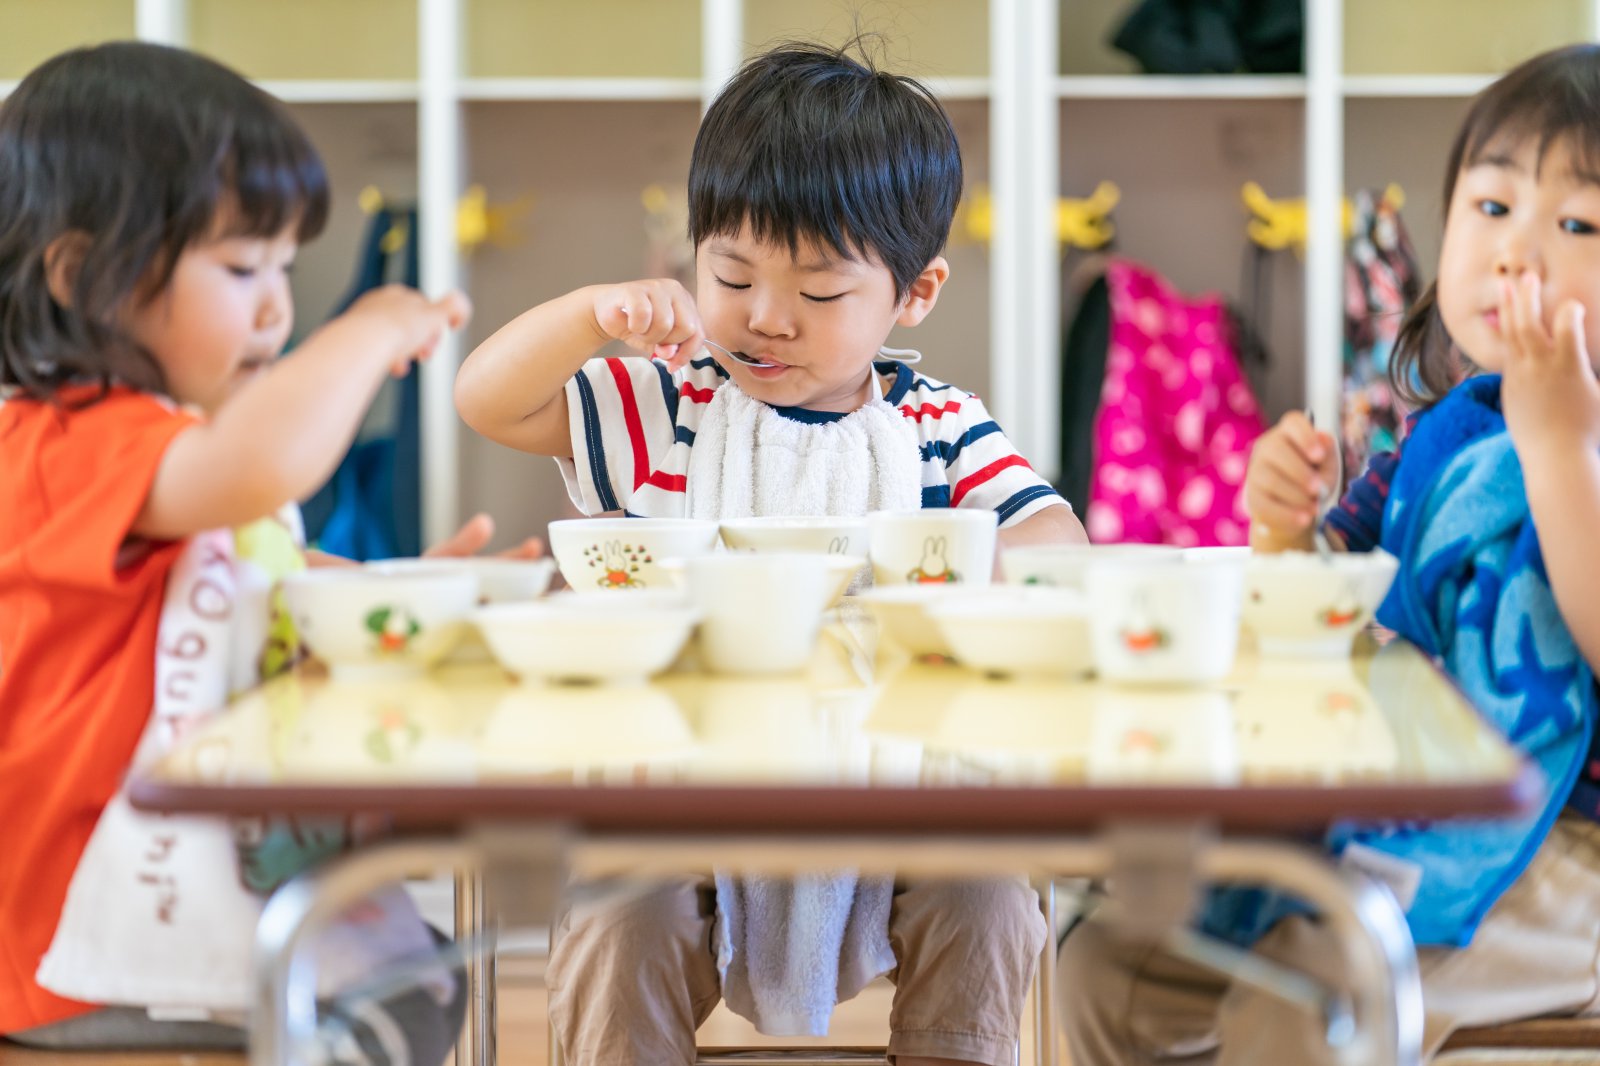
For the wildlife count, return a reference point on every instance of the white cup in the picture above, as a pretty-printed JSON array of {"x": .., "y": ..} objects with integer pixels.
[
  {"x": 933, "y": 546},
  {"x": 760, "y": 612},
  {"x": 1172, "y": 621}
]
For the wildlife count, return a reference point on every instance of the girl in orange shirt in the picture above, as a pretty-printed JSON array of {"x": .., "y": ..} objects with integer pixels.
[{"x": 151, "y": 205}]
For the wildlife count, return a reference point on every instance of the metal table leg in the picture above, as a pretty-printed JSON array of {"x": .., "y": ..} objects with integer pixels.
[
  {"x": 477, "y": 1045},
  {"x": 1381, "y": 960},
  {"x": 284, "y": 1012},
  {"x": 1044, "y": 985}
]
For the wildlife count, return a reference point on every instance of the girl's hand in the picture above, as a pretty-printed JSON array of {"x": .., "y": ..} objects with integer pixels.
[
  {"x": 471, "y": 537},
  {"x": 417, "y": 323},
  {"x": 1291, "y": 466},
  {"x": 658, "y": 317},
  {"x": 1548, "y": 389}
]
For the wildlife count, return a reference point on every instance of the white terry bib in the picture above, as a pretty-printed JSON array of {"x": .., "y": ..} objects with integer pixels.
[
  {"x": 156, "y": 915},
  {"x": 749, "y": 460},
  {"x": 789, "y": 949}
]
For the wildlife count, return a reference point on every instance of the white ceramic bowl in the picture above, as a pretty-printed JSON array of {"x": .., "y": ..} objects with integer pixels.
[
  {"x": 568, "y": 637},
  {"x": 1063, "y": 565},
  {"x": 1298, "y": 603},
  {"x": 1164, "y": 621},
  {"x": 761, "y": 611},
  {"x": 842, "y": 570},
  {"x": 933, "y": 546},
  {"x": 368, "y": 624},
  {"x": 834, "y": 536},
  {"x": 1018, "y": 631},
  {"x": 499, "y": 580},
  {"x": 901, "y": 612},
  {"x": 608, "y": 554}
]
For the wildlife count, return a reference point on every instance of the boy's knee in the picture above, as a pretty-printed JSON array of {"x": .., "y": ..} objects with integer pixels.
[
  {"x": 632, "y": 917},
  {"x": 1000, "y": 911}
]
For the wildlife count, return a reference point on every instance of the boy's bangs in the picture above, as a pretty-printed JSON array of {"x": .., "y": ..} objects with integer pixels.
[{"x": 782, "y": 213}]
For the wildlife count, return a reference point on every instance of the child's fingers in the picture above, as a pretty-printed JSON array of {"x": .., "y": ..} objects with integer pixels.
[
  {"x": 1284, "y": 463},
  {"x": 1283, "y": 490},
  {"x": 1276, "y": 514},
  {"x": 455, "y": 307},
  {"x": 1298, "y": 432},
  {"x": 663, "y": 317},
  {"x": 1526, "y": 326},
  {"x": 1570, "y": 342}
]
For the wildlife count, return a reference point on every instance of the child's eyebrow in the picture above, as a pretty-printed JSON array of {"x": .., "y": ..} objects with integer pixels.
[{"x": 1499, "y": 162}]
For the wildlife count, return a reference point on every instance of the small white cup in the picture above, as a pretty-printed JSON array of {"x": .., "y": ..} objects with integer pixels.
[
  {"x": 760, "y": 612},
  {"x": 1173, "y": 621},
  {"x": 933, "y": 546}
]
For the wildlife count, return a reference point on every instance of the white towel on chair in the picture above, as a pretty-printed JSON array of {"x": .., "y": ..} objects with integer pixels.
[{"x": 789, "y": 950}]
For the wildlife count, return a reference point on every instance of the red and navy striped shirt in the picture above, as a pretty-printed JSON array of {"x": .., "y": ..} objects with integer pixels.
[{"x": 634, "y": 422}]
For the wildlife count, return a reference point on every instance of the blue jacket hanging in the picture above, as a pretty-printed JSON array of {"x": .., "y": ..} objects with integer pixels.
[{"x": 371, "y": 506}]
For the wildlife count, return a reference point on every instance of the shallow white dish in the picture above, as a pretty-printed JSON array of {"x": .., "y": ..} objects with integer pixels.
[
  {"x": 841, "y": 569},
  {"x": 366, "y": 624},
  {"x": 617, "y": 554},
  {"x": 499, "y": 580},
  {"x": 901, "y": 611},
  {"x": 568, "y": 637},
  {"x": 1063, "y": 565},
  {"x": 1299, "y": 603},
  {"x": 1018, "y": 631}
]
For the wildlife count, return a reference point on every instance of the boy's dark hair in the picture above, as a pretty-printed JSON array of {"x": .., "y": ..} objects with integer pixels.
[
  {"x": 808, "y": 142},
  {"x": 1552, "y": 97},
  {"x": 142, "y": 150}
]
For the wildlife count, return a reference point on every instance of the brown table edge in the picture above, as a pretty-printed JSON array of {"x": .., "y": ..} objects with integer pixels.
[{"x": 806, "y": 811}]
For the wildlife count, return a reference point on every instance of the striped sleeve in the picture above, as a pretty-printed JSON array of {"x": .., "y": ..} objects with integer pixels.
[
  {"x": 980, "y": 466},
  {"x": 1358, "y": 518},
  {"x": 622, "y": 414}
]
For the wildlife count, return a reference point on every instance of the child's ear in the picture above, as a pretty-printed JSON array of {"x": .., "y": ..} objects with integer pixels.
[
  {"x": 924, "y": 292},
  {"x": 63, "y": 259}
]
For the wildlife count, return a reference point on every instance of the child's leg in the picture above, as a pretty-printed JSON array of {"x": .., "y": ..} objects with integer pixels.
[
  {"x": 1125, "y": 1003},
  {"x": 632, "y": 974},
  {"x": 967, "y": 952},
  {"x": 1536, "y": 953}
]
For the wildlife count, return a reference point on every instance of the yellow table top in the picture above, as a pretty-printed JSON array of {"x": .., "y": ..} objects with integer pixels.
[{"x": 859, "y": 740}]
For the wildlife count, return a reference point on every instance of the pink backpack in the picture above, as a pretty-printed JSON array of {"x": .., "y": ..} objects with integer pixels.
[{"x": 1176, "y": 419}]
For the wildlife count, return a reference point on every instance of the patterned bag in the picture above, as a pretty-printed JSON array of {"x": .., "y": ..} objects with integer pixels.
[{"x": 1176, "y": 419}]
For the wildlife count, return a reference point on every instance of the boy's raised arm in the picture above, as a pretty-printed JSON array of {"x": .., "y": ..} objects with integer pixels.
[{"x": 512, "y": 388}]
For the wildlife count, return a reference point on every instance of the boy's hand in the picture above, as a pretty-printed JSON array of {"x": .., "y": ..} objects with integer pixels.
[
  {"x": 657, "y": 317},
  {"x": 1548, "y": 390},
  {"x": 417, "y": 322},
  {"x": 1291, "y": 466}
]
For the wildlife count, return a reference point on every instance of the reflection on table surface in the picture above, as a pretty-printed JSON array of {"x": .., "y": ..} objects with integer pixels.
[{"x": 857, "y": 718}]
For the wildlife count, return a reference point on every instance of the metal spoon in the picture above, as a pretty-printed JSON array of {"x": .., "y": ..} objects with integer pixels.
[
  {"x": 1326, "y": 498},
  {"x": 740, "y": 356}
]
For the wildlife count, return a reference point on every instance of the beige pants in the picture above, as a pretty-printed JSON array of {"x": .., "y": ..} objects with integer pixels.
[
  {"x": 632, "y": 974},
  {"x": 1535, "y": 954}
]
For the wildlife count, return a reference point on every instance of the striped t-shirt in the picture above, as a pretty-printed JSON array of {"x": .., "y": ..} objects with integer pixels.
[{"x": 634, "y": 422}]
